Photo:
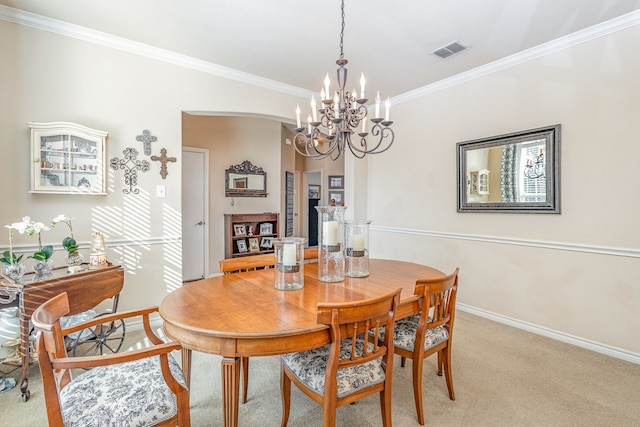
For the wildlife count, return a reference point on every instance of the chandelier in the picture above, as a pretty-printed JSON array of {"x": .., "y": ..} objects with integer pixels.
[
  {"x": 343, "y": 120},
  {"x": 535, "y": 168}
]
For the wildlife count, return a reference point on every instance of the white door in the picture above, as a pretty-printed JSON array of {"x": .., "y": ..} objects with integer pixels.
[{"x": 195, "y": 213}]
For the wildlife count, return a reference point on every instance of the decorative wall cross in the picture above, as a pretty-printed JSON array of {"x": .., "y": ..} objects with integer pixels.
[
  {"x": 163, "y": 159},
  {"x": 146, "y": 139},
  {"x": 130, "y": 171}
]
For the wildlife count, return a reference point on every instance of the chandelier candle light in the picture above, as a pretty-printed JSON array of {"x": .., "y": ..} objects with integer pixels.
[{"x": 341, "y": 116}]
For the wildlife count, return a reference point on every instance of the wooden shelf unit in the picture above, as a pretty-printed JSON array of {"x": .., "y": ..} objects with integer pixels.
[{"x": 254, "y": 228}]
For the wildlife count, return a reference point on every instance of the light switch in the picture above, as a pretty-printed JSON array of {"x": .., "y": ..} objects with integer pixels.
[{"x": 160, "y": 191}]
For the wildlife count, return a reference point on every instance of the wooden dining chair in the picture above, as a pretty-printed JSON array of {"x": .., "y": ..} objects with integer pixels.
[
  {"x": 428, "y": 332},
  {"x": 139, "y": 387},
  {"x": 354, "y": 365},
  {"x": 246, "y": 263}
]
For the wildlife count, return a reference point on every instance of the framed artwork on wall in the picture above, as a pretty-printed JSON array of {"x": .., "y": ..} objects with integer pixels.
[
  {"x": 336, "y": 182},
  {"x": 337, "y": 196},
  {"x": 314, "y": 191}
]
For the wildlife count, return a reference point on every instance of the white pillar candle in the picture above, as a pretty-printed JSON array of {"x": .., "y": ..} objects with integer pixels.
[
  {"x": 362, "y": 83},
  {"x": 289, "y": 254},
  {"x": 377, "y": 105},
  {"x": 313, "y": 108},
  {"x": 387, "y": 106},
  {"x": 330, "y": 233},
  {"x": 358, "y": 242},
  {"x": 298, "y": 116},
  {"x": 326, "y": 87}
]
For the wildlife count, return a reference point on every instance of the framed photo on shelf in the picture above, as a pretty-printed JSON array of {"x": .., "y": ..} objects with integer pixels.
[
  {"x": 336, "y": 182},
  {"x": 242, "y": 245},
  {"x": 314, "y": 191},
  {"x": 266, "y": 243},
  {"x": 338, "y": 196},
  {"x": 253, "y": 244},
  {"x": 239, "y": 230},
  {"x": 266, "y": 228}
]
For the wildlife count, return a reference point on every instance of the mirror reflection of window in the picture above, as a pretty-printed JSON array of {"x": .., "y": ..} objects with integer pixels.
[{"x": 532, "y": 184}]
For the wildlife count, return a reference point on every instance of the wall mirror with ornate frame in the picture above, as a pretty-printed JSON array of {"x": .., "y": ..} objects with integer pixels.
[
  {"x": 517, "y": 172},
  {"x": 245, "y": 180}
]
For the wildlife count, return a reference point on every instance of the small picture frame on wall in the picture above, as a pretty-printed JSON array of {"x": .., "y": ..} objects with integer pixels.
[
  {"x": 239, "y": 230},
  {"x": 314, "y": 191},
  {"x": 336, "y": 182},
  {"x": 242, "y": 245},
  {"x": 253, "y": 244},
  {"x": 337, "y": 196}
]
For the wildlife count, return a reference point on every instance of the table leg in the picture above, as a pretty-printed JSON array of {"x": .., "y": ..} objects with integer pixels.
[
  {"x": 230, "y": 390},
  {"x": 186, "y": 365}
]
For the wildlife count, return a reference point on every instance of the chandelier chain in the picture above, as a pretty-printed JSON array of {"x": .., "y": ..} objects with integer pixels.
[{"x": 342, "y": 33}]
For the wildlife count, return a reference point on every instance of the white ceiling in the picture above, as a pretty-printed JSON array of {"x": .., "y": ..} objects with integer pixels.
[{"x": 297, "y": 42}]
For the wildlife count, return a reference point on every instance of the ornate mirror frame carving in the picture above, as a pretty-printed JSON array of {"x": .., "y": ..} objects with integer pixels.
[{"x": 245, "y": 180}]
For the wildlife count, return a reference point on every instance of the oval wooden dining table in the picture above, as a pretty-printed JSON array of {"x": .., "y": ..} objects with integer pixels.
[{"x": 243, "y": 315}]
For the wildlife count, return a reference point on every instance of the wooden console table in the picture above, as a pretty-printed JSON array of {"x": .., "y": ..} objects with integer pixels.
[{"x": 87, "y": 286}]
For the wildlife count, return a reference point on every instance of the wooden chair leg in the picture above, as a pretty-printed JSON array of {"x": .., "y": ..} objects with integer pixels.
[
  {"x": 447, "y": 371},
  {"x": 417, "y": 387},
  {"x": 402, "y": 361},
  {"x": 245, "y": 378},
  {"x": 329, "y": 413},
  {"x": 385, "y": 407},
  {"x": 440, "y": 362},
  {"x": 285, "y": 393}
]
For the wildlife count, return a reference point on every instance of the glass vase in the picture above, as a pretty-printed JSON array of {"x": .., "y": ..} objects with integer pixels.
[
  {"x": 74, "y": 262},
  {"x": 14, "y": 271},
  {"x": 289, "y": 263},
  {"x": 330, "y": 243},
  {"x": 42, "y": 267},
  {"x": 356, "y": 252}
]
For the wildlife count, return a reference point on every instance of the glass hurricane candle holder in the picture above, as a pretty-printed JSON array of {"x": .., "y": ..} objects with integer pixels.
[
  {"x": 289, "y": 263},
  {"x": 330, "y": 243},
  {"x": 356, "y": 252}
]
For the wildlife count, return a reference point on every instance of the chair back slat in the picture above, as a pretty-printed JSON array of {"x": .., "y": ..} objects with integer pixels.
[
  {"x": 355, "y": 320},
  {"x": 439, "y": 297}
]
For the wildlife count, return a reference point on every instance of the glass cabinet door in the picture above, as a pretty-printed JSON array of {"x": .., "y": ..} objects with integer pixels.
[{"x": 67, "y": 158}]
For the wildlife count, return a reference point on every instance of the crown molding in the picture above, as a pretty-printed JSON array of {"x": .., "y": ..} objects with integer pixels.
[
  {"x": 82, "y": 33},
  {"x": 620, "y": 23},
  {"x": 44, "y": 23}
]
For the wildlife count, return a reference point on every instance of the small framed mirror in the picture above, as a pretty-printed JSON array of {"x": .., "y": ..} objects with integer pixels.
[
  {"x": 245, "y": 180},
  {"x": 517, "y": 172}
]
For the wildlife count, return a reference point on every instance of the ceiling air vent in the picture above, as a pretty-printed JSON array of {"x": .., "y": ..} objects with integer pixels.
[{"x": 449, "y": 50}]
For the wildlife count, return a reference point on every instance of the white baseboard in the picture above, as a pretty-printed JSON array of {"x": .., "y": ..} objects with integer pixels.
[{"x": 550, "y": 333}]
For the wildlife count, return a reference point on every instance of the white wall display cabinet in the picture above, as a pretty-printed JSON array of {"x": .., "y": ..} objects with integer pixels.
[{"x": 67, "y": 158}]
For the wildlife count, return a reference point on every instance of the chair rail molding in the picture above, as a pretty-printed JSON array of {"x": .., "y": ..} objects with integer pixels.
[{"x": 562, "y": 246}]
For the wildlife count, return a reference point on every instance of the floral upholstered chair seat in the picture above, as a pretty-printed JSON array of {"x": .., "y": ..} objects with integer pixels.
[
  {"x": 310, "y": 367},
  {"x": 141, "y": 398},
  {"x": 404, "y": 334}
]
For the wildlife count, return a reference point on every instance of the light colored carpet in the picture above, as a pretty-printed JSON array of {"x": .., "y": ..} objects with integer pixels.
[{"x": 502, "y": 377}]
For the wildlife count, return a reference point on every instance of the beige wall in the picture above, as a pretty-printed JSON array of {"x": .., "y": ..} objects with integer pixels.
[
  {"x": 232, "y": 140},
  {"x": 575, "y": 274},
  {"x": 49, "y": 77}
]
